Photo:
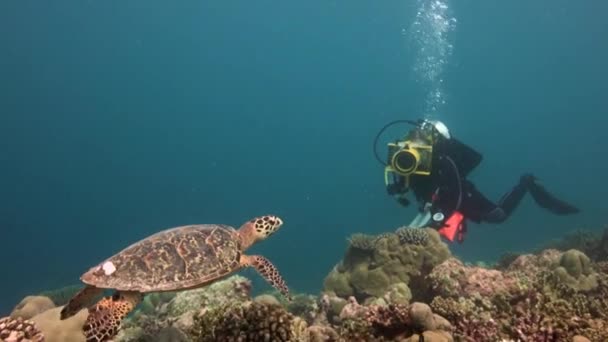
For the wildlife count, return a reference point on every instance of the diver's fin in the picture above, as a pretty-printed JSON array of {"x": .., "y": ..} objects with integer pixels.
[{"x": 548, "y": 201}]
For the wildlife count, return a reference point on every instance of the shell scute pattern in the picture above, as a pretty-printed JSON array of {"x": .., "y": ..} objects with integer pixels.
[{"x": 176, "y": 258}]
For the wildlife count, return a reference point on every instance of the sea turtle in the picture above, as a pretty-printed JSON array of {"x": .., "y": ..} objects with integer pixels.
[{"x": 174, "y": 259}]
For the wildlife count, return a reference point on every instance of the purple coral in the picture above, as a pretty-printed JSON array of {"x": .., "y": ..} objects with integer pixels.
[
  {"x": 473, "y": 330},
  {"x": 531, "y": 324},
  {"x": 452, "y": 278}
]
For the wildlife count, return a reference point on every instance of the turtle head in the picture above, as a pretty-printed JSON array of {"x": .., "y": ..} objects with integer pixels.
[{"x": 258, "y": 229}]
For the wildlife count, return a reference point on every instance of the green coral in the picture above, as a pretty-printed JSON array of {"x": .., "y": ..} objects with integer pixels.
[
  {"x": 575, "y": 270},
  {"x": 576, "y": 263},
  {"x": 399, "y": 293},
  {"x": 371, "y": 273},
  {"x": 363, "y": 242},
  {"x": 369, "y": 282},
  {"x": 338, "y": 283}
]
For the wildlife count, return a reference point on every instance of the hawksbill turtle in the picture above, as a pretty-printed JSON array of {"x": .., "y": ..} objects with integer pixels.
[{"x": 174, "y": 259}]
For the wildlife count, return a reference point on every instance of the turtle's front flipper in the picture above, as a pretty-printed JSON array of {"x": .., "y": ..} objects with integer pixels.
[
  {"x": 105, "y": 317},
  {"x": 81, "y": 300},
  {"x": 268, "y": 271}
]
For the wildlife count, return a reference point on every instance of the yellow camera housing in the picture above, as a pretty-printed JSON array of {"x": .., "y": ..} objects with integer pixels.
[{"x": 410, "y": 158}]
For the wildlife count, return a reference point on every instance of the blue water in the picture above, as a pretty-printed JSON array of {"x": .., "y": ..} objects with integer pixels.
[{"x": 121, "y": 118}]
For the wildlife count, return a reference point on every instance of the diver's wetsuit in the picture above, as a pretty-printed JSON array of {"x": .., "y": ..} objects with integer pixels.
[{"x": 448, "y": 189}]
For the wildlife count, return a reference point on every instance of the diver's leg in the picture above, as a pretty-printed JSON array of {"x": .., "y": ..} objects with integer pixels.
[
  {"x": 478, "y": 208},
  {"x": 501, "y": 211},
  {"x": 486, "y": 211},
  {"x": 546, "y": 200},
  {"x": 509, "y": 201}
]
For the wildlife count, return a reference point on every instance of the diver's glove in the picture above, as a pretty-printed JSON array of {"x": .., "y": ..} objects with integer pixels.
[
  {"x": 403, "y": 201},
  {"x": 396, "y": 189}
]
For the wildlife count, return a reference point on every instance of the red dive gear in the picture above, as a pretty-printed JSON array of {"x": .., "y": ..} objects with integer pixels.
[{"x": 454, "y": 227}]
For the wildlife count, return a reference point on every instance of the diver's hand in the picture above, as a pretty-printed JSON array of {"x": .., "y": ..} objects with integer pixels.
[
  {"x": 403, "y": 201},
  {"x": 395, "y": 189}
]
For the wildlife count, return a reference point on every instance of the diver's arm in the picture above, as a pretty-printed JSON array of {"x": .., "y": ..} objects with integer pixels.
[
  {"x": 398, "y": 189},
  {"x": 465, "y": 157}
]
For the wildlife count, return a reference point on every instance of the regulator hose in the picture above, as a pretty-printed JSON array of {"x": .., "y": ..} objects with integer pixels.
[{"x": 411, "y": 122}]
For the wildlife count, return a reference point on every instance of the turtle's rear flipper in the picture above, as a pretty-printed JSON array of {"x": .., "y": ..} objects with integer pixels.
[
  {"x": 103, "y": 322},
  {"x": 268, "y": 271},
  {"x": 81, "y": 300}
]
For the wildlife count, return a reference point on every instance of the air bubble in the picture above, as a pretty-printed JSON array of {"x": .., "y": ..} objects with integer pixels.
[{"x": 429, "y": 35}]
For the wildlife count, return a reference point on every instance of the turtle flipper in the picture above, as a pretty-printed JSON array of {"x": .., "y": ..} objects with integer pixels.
[
  {"x": 103, "y": 322},
  {"x": 81, "y": 300},
  {"x": 268, "y": 271}
]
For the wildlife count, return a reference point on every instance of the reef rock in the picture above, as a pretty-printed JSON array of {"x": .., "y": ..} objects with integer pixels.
[{"x": 30, "y": 306}]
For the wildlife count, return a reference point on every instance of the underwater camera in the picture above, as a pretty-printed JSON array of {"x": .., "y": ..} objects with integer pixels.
[
  {"x": 410, "y": 158},
  {"x": 413, "y": 154}
]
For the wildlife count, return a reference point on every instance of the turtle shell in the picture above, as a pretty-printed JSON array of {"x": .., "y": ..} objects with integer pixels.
[{"x": 174, "y": 259}]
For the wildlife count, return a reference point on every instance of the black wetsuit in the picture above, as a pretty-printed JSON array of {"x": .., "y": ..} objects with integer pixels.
[{"x": 448, "y": 189}]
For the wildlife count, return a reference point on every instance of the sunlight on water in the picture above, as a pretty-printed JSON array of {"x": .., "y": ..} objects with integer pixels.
[{"x": 428, "y": 35}]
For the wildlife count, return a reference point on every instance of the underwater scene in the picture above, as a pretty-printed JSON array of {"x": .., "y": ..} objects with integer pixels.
[{"x": 314, "y": 171}]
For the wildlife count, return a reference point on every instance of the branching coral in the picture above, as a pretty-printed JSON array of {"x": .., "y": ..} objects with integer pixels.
[
  {"x": 393, "y": 322},
  {"x": 543, "y": 297},
  {"x": 17, "y": 330},
  {"x": 389, "y": 321},
  {"x": 471, "y": 318},
  {"x": 414, "y": 236},
  {"x": 250, "y": 322}
]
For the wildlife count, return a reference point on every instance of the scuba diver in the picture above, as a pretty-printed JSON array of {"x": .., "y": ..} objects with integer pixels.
[{"x": 434, "y": 165}]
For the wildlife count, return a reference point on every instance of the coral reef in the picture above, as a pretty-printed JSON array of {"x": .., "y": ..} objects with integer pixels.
[
  {"x": 398, "y": 286},
  {"x": 592, "y": 244},
  {"x": 393, "y": 322},
  {"x": 368, "y": 274},
  {"x": 179, "y": 309},
  {"x": 552, "y": 296}
]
